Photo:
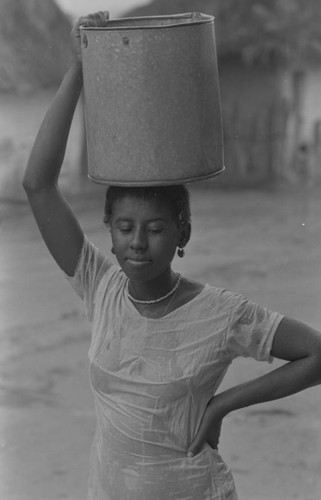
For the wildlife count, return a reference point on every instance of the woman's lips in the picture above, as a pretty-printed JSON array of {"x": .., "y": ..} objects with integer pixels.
[{"x": 137, "y": 262}]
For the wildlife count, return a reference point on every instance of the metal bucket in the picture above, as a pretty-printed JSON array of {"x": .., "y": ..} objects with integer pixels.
[{"x": 152, "y": 100}]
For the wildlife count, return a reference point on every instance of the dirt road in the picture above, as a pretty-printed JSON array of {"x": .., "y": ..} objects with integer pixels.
[{"x": 266, "y": 245}]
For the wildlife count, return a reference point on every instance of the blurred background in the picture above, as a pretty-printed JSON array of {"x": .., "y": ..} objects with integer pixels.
[
  {"x": 256, "y": 229},
  {"x": 269, "y": 56}
]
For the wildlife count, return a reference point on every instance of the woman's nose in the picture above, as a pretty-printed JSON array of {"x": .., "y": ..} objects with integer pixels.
[{"x": 139, "y": 240}]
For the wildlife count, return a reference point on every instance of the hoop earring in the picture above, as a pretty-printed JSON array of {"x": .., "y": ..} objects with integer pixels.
[{"x": 180, "y": 252}]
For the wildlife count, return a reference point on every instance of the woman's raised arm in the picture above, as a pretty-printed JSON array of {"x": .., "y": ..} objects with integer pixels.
[{"x": 57, "y": 223}]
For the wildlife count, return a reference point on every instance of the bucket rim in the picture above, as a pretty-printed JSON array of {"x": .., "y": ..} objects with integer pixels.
[
  {"x": 115, "y": 24},
  {"x": 187, "y": 180}
]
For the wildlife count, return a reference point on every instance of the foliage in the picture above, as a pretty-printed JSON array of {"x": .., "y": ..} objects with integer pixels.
[
  {"x": 34, "y": 35},
  {"x": 277, "y": 28},
  {"x": 258, "y": 29}
]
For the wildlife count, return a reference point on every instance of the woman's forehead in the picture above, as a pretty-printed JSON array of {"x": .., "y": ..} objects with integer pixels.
[{"x": 131, "y": 205}]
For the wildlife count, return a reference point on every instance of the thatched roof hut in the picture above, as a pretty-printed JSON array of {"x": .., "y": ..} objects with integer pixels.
[
  {"x": 269, "y": 54},
  {"x": 34, "y": 40},
  {"x": 261, "y": 30}
]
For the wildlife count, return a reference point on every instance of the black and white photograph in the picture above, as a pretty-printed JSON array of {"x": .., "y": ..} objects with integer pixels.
[{"x": 160, "y": 237}]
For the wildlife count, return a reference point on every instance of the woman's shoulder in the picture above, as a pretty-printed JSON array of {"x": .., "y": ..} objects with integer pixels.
[
  {"x": 195, "y": 288},
  {"x": 210, "y": 295},
  {"x": 195, "y": 291}
]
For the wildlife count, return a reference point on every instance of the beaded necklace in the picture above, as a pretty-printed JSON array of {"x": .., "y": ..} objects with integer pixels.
[{"x": 160, "y": 299}]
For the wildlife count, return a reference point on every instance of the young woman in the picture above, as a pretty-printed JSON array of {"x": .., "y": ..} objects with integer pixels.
[{"x": 161, "y": 343}]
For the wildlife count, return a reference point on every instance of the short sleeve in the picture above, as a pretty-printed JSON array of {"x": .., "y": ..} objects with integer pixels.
[
  {"x": 251, "y": 330},
  {"x": 92, "y": 267}
]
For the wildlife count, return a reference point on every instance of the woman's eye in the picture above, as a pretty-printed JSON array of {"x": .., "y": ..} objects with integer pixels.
[
  {"x": 125, "y": 229},
  {"x": 155, "y": 230}
]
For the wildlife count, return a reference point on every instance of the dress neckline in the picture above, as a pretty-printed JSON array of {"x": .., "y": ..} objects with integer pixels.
[{"x": 131, "y": 306}]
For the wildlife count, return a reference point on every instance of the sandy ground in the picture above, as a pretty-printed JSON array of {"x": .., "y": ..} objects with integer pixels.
[{"x": 267, "y": 245}]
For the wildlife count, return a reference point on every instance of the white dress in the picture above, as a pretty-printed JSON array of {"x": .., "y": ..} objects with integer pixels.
[{"x": 152, "y": 379}]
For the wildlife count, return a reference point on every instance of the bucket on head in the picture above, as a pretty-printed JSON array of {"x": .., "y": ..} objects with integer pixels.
[{"x": 152, "y": 100}]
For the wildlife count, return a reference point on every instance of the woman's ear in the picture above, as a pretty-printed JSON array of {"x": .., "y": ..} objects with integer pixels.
[{"x": 186, "y": 231}]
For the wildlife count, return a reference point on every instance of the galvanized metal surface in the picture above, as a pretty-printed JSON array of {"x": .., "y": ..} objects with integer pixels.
[{"x": 152, "y": 100}]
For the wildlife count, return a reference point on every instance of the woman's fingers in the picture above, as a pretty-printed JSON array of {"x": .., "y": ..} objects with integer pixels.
[
  {"x": 210, "y": 436},
  {"x": 196, "y": 446},
  {"x": 209, "y": 431},
  {"x": 98, "y": 19}
]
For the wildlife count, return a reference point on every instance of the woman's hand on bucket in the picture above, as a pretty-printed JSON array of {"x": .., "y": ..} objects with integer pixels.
[{"x": 98, "y": 19}]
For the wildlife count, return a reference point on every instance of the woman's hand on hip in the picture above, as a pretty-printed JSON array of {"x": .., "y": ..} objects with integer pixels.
[
  {"x": 98, "y": 19},
  {"x": 209, "y": 430}
]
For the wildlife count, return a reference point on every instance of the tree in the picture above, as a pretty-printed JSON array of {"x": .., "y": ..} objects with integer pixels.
[
  {"x": 34, "y": 36},
  {"x": 256, "y": 29}
]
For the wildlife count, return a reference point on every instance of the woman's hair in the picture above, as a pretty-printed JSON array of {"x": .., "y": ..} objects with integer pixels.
[{"x": 175, "y": 196}]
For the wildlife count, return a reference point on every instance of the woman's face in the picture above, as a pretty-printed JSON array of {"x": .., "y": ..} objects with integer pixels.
[{"x": 145, "y": 236}]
